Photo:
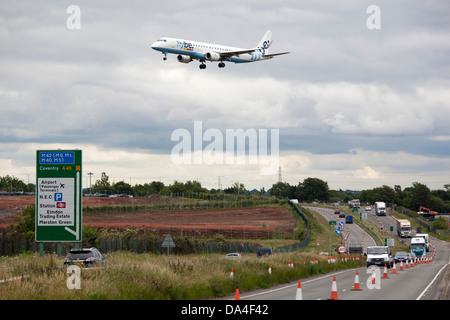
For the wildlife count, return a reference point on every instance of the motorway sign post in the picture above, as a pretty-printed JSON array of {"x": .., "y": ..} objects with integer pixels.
[
  {"x": 389, "y": 242},
  {"x": 58, "y": 196}
]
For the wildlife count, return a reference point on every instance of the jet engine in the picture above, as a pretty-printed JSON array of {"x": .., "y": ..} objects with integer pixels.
[
  {"x": 212, "y": 56},
  {"x": 184, "y": 59}
]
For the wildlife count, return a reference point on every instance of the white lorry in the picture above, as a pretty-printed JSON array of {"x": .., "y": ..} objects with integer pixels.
[
  {"x": 355, "y": 203},
  {"x": 380, "y": 208},
  {"x": 426, "y": 238},
  {"x": 418, "y": 246},
  {"x": 404, "y": 228},
  {"x": 379, "y": 256}
]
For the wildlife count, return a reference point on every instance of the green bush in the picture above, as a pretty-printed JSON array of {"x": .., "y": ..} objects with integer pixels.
[
  {"x": 89, "y": 233},
  {"x": 26, "y": 222},
  {"x": 440, "y": 223}
]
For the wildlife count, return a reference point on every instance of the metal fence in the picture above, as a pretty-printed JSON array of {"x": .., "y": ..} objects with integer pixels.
[
  {"x": 12, "y": 245},
  {"x": 302, "y": 243}
]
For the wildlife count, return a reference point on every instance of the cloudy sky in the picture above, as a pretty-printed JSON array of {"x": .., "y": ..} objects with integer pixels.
[{"x": 355, "y": 106}]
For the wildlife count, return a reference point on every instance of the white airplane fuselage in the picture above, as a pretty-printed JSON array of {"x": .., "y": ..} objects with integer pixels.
[
  {"x": 188, "y": 50},
  {"x": 199, "y": 50}
]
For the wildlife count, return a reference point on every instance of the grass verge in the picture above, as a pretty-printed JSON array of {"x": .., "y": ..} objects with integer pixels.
[{"x": 130, "y": 276}]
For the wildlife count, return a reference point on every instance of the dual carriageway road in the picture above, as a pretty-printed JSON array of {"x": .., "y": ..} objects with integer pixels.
[{"x": 421, "y": 282}]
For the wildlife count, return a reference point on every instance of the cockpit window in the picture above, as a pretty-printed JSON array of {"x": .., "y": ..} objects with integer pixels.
[{"x": 162, "y": 40}]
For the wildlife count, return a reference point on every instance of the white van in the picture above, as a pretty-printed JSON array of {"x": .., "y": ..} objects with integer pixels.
[{"x": 379, "y": 255}]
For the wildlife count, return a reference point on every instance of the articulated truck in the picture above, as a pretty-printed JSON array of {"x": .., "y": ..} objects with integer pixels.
[
  {"x": 418, "y": 246},
  {"x": 354, "y": 203},
  {"x": 380, "y": 208},
  {"x": 403, "y": 228},
  {"x": 426, "y": 237}
]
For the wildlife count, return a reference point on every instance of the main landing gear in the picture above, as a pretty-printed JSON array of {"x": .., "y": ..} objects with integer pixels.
[
  {"x": 203, "y": 66},
  {"x": 165, "y": 56}
]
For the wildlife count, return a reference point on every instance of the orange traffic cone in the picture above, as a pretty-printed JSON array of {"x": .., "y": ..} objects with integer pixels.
[
  {"x": 334, "y": 294},
  {"x": 270, "y": 268},
  {"x": 299, "y": 295},
  {"x": 374, "y": 278},
  {"x": 356, "y": 284},
  {"x": 232, "y": 273},
  {"x": 236, "y": 296},
  {"x": 401, "y": 265},
  {"x": 385, "y": 275},
  {"x": 394, "y": 269},
  {"x": 406, "y": 264}
]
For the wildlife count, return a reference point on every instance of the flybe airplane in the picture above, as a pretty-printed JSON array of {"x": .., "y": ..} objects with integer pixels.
[{"x": 188, "y": 51}]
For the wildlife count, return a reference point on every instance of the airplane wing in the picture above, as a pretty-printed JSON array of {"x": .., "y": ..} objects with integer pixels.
[
  {"x": 228, "y": 54},
  {"x": 236, "y": 52},
  {"x": 270, "y": 55}
]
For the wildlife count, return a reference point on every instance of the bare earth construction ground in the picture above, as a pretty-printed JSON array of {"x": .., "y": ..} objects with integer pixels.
[{"x": 225, "y": 221}]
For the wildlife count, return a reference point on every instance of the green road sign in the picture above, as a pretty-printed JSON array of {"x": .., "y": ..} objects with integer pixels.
[{"x": 58, "y": 196}]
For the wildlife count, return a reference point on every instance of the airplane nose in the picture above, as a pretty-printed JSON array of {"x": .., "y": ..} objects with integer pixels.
[{"x": 154, "y": 44}]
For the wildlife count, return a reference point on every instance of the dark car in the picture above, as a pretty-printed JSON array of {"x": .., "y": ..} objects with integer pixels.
[
  {"x": 400, "y": 256},
  {"x": 264, "y": 252},
  {"x": 85, "y": 257}
]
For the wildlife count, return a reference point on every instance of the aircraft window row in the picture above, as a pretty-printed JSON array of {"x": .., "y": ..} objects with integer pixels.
[{"x": 208, "y": 47}]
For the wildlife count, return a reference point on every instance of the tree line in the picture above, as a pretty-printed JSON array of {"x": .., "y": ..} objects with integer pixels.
[
  {"x": 309, "y": 190},
  {"x": 411, "y": 197},
  {"x": 9, "y": 184},
  {"x": 104, "y": 186},
  {"x": 314, "y": 189}
]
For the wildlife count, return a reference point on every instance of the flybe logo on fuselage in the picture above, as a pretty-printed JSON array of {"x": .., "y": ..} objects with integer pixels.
[{"x": 183, "y": 45}]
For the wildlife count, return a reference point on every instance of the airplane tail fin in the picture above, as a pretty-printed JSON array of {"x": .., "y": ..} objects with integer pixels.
[{"x": 266, "y": 41}]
